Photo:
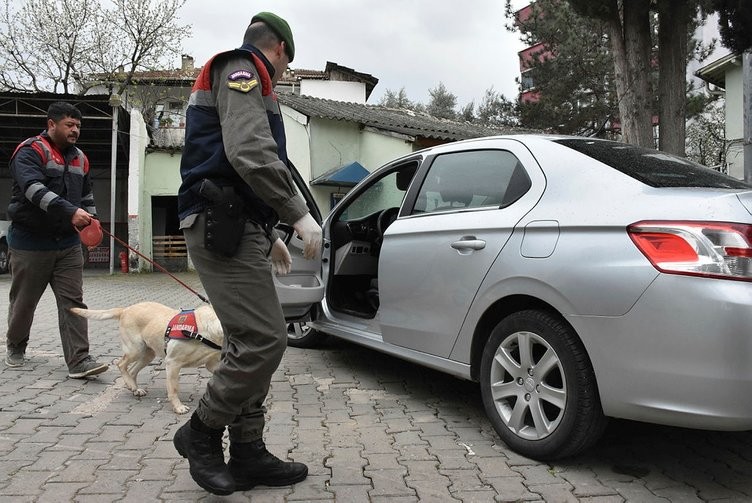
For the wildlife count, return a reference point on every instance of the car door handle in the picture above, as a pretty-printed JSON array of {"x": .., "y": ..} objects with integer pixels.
[{"x": 469, "y": 243}]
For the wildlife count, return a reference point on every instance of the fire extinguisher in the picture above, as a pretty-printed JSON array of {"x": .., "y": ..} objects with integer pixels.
[{"x": 123, "y": 261}]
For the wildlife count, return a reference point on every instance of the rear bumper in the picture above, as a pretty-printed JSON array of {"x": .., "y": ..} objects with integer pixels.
[{"x": 682, "y": 356}]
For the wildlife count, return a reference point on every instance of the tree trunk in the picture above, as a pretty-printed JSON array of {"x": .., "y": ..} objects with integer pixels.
[
  {"x": 674, "y": 16},
  {"x": 630, "y": 43}
]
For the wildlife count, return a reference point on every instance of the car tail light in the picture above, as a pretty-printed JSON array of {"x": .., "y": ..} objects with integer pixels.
[{"x": 709, "y": 249}]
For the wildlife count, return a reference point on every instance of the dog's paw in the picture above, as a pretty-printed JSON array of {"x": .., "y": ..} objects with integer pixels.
[
  {"x": 139, "y": 392},
  {"x": 181, "y": 409}
]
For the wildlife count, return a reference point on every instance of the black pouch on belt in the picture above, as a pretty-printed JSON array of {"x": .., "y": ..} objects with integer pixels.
[{"x": 225, "y": 219}]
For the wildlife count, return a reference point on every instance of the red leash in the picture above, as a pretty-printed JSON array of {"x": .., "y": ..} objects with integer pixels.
[{"x": 155, "y": 265}]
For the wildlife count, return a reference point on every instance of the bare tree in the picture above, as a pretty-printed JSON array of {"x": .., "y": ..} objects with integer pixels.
[
  {"x": 71, "y": 45},
  {"x": 44, "y": 44},
  {"x": 706, "y": 136},
  {"x": 146, "y": 35}
]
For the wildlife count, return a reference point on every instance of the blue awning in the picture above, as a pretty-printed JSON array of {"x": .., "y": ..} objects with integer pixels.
[{"x": 346, "y": 176}]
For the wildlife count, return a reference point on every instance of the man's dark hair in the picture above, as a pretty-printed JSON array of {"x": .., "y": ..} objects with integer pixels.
[
  {"x": 61, "y": 109},
  {"x": 261, "y": 36}
]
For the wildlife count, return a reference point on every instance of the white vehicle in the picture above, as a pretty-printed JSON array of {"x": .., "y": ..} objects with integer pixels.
[
  {"x": 4, "y": 224},
  {"x": 574, "y": 279}
]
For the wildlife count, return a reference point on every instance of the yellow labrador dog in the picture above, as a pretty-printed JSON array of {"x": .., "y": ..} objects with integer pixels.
[{"x": 143, "y": 336}]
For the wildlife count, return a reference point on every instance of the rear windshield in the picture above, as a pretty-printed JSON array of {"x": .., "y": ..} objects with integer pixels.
[{"x": 652, "y": 167}]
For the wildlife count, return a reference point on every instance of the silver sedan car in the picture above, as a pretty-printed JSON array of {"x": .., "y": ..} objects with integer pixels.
[{"x": 575, "y": 279}]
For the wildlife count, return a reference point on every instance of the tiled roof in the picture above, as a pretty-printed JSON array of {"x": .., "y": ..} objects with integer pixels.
[
  {"x": 390, "y": 119},
  {"x": 297, "y": 74},
  {"x": 715, "y": 72},
  {"x": 167, "y": 74}
]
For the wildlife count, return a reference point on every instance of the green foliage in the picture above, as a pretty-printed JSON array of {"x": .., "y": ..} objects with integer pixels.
[
  {"x": 398, "y": 99},
  {"x": 572, "y": 71},
  {"x": 598, "y": 9},
  {"x": 496, "y": 110},
  {"x": 467, "y": 113},
  {"x": 442, "y": 103},
  {"x": 735, "y": 20}
]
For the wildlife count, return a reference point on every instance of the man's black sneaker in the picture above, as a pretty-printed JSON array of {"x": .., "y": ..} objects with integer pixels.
[
  {"x": 87, "y": 367},
  {"x": 14, "y": 358}
]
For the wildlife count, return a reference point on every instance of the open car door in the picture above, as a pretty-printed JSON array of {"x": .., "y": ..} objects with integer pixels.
[{"x": 303, "y": 287}]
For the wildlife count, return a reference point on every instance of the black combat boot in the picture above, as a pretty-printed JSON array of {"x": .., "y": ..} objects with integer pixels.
[
  {"x": 203, "y": 448},
  {"x": 251, "y": 465}
]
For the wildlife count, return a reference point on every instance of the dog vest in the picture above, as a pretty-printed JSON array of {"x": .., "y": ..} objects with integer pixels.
[{"x": 183, "y": 326}]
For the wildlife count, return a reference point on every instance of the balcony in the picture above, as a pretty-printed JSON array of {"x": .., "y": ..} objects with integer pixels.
[{"x": 168, "y": 137}]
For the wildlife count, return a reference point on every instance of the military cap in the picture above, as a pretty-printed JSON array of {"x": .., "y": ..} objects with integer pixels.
[{"x": 280, "y": 27}]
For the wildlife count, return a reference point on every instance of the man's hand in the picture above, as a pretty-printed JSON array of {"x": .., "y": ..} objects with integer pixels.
[
  {"x": 81, "y": 218},
  {"x": 281, "y": 260},
  {"x": 310, "y": 232}
]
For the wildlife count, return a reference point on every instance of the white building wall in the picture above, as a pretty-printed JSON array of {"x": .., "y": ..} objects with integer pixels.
[
  {"x": 378, "y": 148},
  {"x": 298, "y": 146},
  {"x": 734, "y": 122},
  {"x": 138, "y": 142},
  {"x": 353, "y": 92}
]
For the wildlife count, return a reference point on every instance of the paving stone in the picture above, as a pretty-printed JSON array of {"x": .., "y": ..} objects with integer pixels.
[
  {"x": 25, "y": 482},
  {"x": 109, "y": 482},
  {"x": 432, "y": 489},
  {"x": 56, "y": 492},
  {"x": 383, "y": 461},
  {"x": 311, "y": 489},
  {"x": 351, "y": 494},
  {"x": 511, "y": 489},
  {"x": 370, "y": 428},
  {"x": 388, "y": 483}
]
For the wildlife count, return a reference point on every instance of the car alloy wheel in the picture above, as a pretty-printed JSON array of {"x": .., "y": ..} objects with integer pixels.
[
  {"x": 538, "y": 387},
  {"x": 301, "y": 335},
  {"x": 3, "y": 258}
]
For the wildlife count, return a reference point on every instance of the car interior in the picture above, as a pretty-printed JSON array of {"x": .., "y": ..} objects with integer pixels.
[
  {"x": 457, "y": 181},
  {"x": 356, "y": 236}
]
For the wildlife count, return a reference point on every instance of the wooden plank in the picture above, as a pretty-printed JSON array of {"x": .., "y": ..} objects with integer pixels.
[{"x": 169, "y": 247}]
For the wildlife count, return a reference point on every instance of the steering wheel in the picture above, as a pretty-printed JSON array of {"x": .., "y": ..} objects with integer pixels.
[{"x": 384, "y": 220}]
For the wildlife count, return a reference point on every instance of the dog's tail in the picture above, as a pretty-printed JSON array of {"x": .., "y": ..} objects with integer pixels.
[{"x": 107, "y": 314}]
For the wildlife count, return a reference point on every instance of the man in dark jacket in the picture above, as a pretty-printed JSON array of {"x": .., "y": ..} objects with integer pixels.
[
  {"x": 51, "y": 198},
  {"x": 236, "y": 185}
]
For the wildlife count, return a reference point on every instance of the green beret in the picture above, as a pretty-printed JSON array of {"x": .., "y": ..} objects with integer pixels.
[{"x": 280, "y": 27}]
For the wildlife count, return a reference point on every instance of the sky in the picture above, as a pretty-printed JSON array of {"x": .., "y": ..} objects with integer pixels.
[{"x": 413, "y": 44}]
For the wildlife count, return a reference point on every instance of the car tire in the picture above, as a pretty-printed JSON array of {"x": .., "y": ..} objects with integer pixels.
[
  {"x": 301, "y": 335},
  {"x": 3, "y": 257},
  {"x": 538, "y": 387}
]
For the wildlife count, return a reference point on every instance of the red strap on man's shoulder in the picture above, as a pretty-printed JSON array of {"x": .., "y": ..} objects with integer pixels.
[
  {"x": 266, "y": 80},
  {"x": 33, "y": 142},
  {"x": 203, "y": 81},
  {"x": 85, "y": 161}
]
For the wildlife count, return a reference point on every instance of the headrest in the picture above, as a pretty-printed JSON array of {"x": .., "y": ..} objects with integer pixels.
[{"x": 405, "y": 176}]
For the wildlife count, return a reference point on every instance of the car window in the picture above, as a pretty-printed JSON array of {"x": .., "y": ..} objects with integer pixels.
[
  {"x": 474, "y": 179},
  {"x": 652, "y": 167},
  {"x": 385, "y": 193}
]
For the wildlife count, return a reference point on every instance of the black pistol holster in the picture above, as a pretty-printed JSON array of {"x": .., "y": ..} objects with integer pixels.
[{"x": 225, "y": 219}]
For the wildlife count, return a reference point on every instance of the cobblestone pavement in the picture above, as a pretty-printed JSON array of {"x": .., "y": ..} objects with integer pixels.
[{"x": 370, "y": 428}]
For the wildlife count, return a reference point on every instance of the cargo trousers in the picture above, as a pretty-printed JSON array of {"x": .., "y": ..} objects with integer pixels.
[
  {"x": 31, "y": 272},
  {"x": 241, "y": 290}
]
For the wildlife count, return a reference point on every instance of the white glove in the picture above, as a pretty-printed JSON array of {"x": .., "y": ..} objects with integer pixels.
[
  {"x": 310, "y": 232},
  {"x": 281, "y": 260}
]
